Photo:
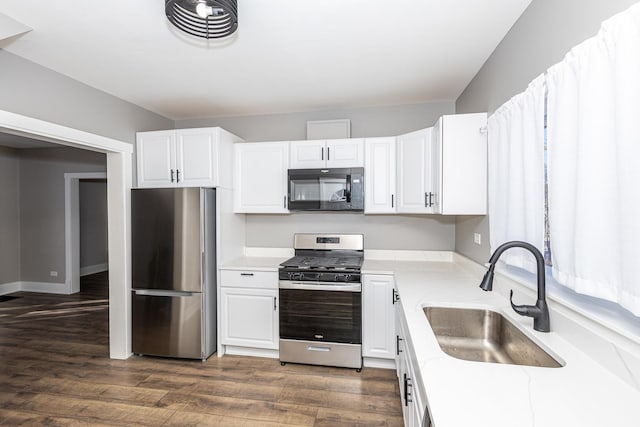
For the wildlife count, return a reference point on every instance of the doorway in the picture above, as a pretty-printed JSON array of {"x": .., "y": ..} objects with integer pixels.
[
  {"x": 73, "y": 235},
  {"x": 119, "y": 178}
]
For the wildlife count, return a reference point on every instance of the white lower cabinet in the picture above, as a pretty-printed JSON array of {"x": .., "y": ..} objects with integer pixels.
[
  {"x": 413, "y": 403},
  {"x": 249, "y": 309},
  {"x": 379, "y": 339}
]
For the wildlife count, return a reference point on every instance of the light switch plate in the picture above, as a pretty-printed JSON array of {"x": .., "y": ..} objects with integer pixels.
[{"x": 477, "y": 238}]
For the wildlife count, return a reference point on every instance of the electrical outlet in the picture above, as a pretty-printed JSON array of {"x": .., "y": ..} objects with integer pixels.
[
  {"x": 53, "y": 273},
  {"x": 477, "y": 238}
]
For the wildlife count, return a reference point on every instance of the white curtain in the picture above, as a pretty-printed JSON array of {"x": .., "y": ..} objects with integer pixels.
[
  {"x": 594, "y": 164},
  {"x": 516, "y": 175}
]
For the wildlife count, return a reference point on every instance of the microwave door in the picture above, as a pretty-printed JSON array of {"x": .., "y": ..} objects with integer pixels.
[{"x": 333, "y": 191}]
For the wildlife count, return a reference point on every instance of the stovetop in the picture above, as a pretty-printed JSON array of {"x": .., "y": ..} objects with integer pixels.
[{"x": 305, "y": 262}]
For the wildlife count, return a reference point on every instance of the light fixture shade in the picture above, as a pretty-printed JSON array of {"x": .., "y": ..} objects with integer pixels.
[{"x": 221, "y": 21}]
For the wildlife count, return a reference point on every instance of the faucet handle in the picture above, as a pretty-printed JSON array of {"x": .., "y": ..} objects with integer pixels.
[{"x": 524, "y": 310}]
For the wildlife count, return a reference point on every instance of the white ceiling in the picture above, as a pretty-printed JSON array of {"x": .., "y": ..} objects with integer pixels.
[{"x": 288, "y": 55}]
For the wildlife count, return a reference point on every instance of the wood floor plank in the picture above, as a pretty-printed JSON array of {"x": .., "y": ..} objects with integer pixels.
[
  {"x": 19, "y": 418},
  {"x": 304, "y": 396},
  {"x": 56, "y": 370},
  {"x": 335, "y": 418},
  {"x": 91, "y": 410},
  {"x": 192, "y": 419},
  {"x": 364, "y": 403},
  {"x": 241, "y": 408},
  {"x": 92, "y": 390}
]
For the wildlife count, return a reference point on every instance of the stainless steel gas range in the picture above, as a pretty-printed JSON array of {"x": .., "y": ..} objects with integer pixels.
[{"x": 321, "y": 301}]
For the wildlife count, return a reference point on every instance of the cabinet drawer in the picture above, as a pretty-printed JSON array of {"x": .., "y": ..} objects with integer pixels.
[{"x": 249, "y": 279}]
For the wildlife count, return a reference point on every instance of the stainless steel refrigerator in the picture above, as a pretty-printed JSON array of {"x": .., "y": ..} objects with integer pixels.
[{"x": 173, "y": 272}]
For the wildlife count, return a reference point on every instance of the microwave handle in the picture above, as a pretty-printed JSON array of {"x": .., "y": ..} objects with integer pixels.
[{"x": 348, "y": 189}]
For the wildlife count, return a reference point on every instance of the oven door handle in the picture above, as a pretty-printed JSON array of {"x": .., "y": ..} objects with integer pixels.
[{"x": 320, "y": 286}]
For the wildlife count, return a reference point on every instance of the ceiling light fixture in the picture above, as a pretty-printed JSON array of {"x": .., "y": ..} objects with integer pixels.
[{"x": 208, "y": 19}]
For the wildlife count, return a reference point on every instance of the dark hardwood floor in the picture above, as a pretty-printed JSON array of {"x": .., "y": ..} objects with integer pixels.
[{"x": 55, "y": 370}]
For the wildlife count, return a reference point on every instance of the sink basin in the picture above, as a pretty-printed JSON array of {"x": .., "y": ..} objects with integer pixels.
[{"x": 485, "y": 336}]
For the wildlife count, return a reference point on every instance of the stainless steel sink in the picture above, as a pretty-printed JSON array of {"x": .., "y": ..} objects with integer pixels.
[{"x": 485, "y": 336}]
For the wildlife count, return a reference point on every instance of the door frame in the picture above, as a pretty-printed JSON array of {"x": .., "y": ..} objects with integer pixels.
[
  {"x": 72, "y": 226},
  {"x": 119, "y": 179}
]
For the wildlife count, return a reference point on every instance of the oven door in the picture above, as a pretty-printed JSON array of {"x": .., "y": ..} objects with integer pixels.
[
  {"x": 326, "y": 189},
  {"x": 321, "y": 315}
]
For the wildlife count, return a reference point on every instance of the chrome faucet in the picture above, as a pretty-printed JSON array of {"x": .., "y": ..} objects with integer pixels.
[{"x": 540, "y": 311}]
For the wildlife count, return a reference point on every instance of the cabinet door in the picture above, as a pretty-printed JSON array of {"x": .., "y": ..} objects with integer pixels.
[
  {"x": 380, "y": 175},
  {"x": 436, "y": 166},
  {"x": 197, "y": 157},
  {"x": 345, "y": 153},
  {"x": 464, "y": 164},
  {"x": 308, "y": 154},
  {"x": 155, "y": 159},
  {"x": 378, "y": 317},
  {"x": 249, "y": 317},
  {"x": 260, "y": 177},
  {"x": 414, "y": 172}
]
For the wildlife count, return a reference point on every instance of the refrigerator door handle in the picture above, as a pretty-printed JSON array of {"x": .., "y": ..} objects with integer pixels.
[{"x": 162, "y": 293}]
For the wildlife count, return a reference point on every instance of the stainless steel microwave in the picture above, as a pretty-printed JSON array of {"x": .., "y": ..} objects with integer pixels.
[{"x": 339, "y": 189}]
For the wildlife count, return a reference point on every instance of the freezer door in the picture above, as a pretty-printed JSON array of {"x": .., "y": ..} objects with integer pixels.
[
  {"x": 168, "y": 324},
  {"x": 166, "y": 239}
]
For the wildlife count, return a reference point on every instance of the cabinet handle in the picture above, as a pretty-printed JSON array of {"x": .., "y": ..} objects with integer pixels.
[
  {"x": 171, "y": 175},
  {"x": 246, "y": 274},
  {"x": 426, "y": 200},
  {"x": 322, "y": 153},
  {"x": 398, "y": 339},
  {"x": 328, "y": 154},
  {"x": 395, "y": 297},
  {"x": 430, "y": 200},
  {"x": 275, "y": 306},
  {"x": 392, "y": 201},
  {"x": 284, "y": 204},
  {"x": 406, "y": 390},
  {"x": 407, "y": 395},
  {"x": 177, "y": 175}
]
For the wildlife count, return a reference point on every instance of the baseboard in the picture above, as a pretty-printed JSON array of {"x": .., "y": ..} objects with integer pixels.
[
  {"x": 93, "y": 269},
  {"x": 249, "y": 351},
  {"x": 9, "y": 288},
  {"x": 373, "y": 362},
  {"x": 45, "y": 287}
]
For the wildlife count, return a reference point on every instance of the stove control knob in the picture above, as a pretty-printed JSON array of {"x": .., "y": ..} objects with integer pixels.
[
  {"x": 295, "y": 276},
  {"x": 342, "y": 277}
]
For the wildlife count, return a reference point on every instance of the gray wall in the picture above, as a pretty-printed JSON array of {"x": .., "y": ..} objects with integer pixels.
[
  {"x": 32, "y": 90},
  {"x": 9, "y": 216},
  {"x": 409, "y": 232},
  {"x": 381, "y": 232},
  {"x": 365, "y": 122},
  {"x": 42, "y": 207},
  {"x": 545, "y": 32},
  {"x": 93, "y": 222}
]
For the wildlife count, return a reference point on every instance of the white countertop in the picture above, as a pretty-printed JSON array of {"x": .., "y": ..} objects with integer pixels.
[
  {"x": 464, "y": 393},
  {"x": 255, "y": 263}
]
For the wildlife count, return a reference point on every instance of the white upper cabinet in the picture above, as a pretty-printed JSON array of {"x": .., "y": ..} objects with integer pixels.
[
  {"x": 380, "y": 175},
  {"x": 460, "y": 164},
  {"x": 333, "y": 153},
  {"x": 308, "y": 154},
  {"x": 415, "y": 180},
  {"x": 184, "y": 158},
  {"x": 260, "y": 177},
  {"x": 155, "y": 155},
  {"x": 345, "y": 153}
]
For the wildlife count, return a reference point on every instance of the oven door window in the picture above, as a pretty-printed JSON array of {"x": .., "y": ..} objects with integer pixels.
[{"x": 321, "y": 316}]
